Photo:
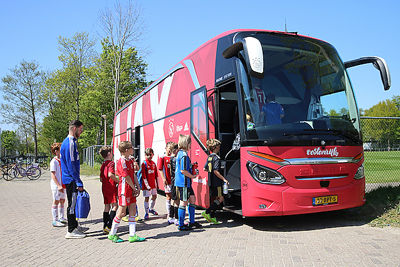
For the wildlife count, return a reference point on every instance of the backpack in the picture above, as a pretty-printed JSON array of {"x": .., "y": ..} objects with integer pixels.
[
  {"x": 82, "y": 207},
  {"x": 139, "y": 175}
]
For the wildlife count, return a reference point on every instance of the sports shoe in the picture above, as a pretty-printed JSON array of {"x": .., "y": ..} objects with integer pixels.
[
  {"x": 62, "y": 220},
  {"x": 138, "y": 219},
  {"x": 146, "y": 216},
  {"x": 106, "y": 230},
  {"x": 206, "y": 216},
  {"x": 75, "y": 234},
  {"x": 126, "y": 218},
  {"x": 177, "y": 222},
  {"x": 115, "y": 238},
  {"x": 184, "y": 228},
  {"x": 153, "y": 212},
  {"x": 170, "y": 221},
  {"x": 136, "y": 238},
  {"x": 195, "y": 225},
  {"x": 214, "y": 221},
  {"x": 57, "y": 224}
]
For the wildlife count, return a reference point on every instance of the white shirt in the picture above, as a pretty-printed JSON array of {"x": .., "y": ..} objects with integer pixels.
[{"x": 55, "y": 166}]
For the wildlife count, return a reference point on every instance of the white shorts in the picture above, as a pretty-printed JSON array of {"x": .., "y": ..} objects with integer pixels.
[
  {"x": 151, "y": 192},
  {"x": 167, "y": 188},
  {"x": 57, "y": 195}
]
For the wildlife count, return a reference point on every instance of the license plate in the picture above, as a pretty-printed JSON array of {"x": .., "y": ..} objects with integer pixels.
[{"x": 326, "y": 200}]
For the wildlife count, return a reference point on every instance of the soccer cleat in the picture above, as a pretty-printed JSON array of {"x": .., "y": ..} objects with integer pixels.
[
  {"x": 126, "y": 218},
  {"x": 75, "y": 234},
  {"x": 136, "y": 238},
  {"x": 214, "y": 221},
  {"x": 195, "y": 225},
  {"x": 57, "y": 224},
  {"x": 115, "y": 238},
  {"x": 171, "y": 221},
  {"x": 106, "y": 230},
  {"x": 153, "y": 212},
  {"x": 146, "y": 216},
  {"x": 206, "y": 216},
  {"x": 62, "y": 220}
]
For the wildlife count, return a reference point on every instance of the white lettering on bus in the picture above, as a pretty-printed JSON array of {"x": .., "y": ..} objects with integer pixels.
[{"x": 319, "y": 152}]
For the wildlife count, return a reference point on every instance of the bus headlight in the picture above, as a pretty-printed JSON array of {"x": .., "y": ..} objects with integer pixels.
[
  {"x": 264, "y": 175},
  {"x": 360, "y": 172}
]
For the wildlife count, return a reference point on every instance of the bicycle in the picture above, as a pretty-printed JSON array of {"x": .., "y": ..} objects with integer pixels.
[{"x": 32, "y": 171}]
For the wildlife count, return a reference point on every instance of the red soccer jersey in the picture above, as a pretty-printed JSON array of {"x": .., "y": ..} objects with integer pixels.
[
  {"x": 150, "y": 173},
  {"x": 106, "y": 167},
  {"x": 164, "y": 165},
  {"x": 124, "y": 168}
]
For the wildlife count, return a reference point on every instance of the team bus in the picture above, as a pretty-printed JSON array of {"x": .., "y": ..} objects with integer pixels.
[{"x": 284, "y": 109}]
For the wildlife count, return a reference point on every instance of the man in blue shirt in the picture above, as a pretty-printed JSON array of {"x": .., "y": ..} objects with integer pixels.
[
  {"x": 70, "y": 168},
  {"x": 272, "y": 111}
]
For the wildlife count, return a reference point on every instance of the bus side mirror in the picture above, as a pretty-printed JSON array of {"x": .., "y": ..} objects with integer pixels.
[
  {"x": 253, "y": 54},
  {"x": 378, "y": 63}
]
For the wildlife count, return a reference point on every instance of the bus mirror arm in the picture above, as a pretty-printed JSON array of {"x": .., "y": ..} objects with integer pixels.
[{"x": 379, "y": 63}]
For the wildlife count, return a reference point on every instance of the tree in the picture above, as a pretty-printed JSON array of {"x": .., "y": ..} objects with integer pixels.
[
  {"x": 9, "y": 142},
  {"x": 77, "y": 56},
  {"x": 23, "y": 96},
  {"x": 383, "y": 130},
  {"x": 121, "y": 27}
]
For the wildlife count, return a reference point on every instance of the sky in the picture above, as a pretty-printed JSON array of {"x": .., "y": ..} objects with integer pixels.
[{"x": 173, "y": 29}]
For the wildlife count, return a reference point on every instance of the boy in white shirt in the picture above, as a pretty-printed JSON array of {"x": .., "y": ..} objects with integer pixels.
[{"x": 57, "y": 189}]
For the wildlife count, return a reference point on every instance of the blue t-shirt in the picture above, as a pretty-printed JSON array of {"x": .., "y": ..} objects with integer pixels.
[
  {"x": 273, "y": 112},
  {"x": 182, "y": 163}
]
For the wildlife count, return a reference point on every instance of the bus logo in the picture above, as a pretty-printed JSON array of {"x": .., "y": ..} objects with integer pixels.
[{"x": 326, "y": 152}]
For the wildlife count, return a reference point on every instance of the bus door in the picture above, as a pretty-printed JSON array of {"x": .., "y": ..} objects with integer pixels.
[
  {"x": 136, "y": 143},
  {"x": 199, "y": 135},
  {"x": 228, "y": 129}
]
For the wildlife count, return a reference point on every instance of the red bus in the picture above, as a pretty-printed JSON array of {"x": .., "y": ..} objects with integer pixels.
[{"x": 284, "y": 109}]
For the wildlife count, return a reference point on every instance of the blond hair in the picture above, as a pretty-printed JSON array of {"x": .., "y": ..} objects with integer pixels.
[
  {"x": 184, "y": 141},
  {"x": 212, "y": 144},
  {"x": 124, "y": 146}
]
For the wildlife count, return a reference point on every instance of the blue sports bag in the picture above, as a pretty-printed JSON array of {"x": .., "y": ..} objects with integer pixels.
[{"x": 82, "y": 207}]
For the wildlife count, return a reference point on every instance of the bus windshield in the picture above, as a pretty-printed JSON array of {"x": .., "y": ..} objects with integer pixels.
[{"x": 304, "y": 98}]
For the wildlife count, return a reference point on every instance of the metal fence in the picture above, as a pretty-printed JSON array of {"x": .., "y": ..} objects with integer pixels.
[
  {"x": 91, "y": 155},
  {"x": 381, "y": 137}
]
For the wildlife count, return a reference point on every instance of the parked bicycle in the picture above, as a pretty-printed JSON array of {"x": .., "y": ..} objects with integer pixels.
[{"x": 32, "y": 171}]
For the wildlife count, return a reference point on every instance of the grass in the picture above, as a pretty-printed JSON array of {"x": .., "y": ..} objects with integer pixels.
[
  {"x": 381, "y": 209},
  {"x": 382, "y": 166},
  {"x": 90, "y": 171}
]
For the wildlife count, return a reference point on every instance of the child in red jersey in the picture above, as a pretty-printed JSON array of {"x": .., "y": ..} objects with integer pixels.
[
  {"x": 149, "y": 174},
  {"x": 109, "y": 188},
  {"x": 164, "y": 166},
  {"x": 128, "y": 190}
]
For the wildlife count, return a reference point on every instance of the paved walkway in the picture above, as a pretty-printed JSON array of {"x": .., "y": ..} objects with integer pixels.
[{"x": 28, "y": 239}]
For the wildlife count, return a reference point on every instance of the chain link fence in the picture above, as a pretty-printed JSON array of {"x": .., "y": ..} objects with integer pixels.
[{"x": 381, "y": 136}]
